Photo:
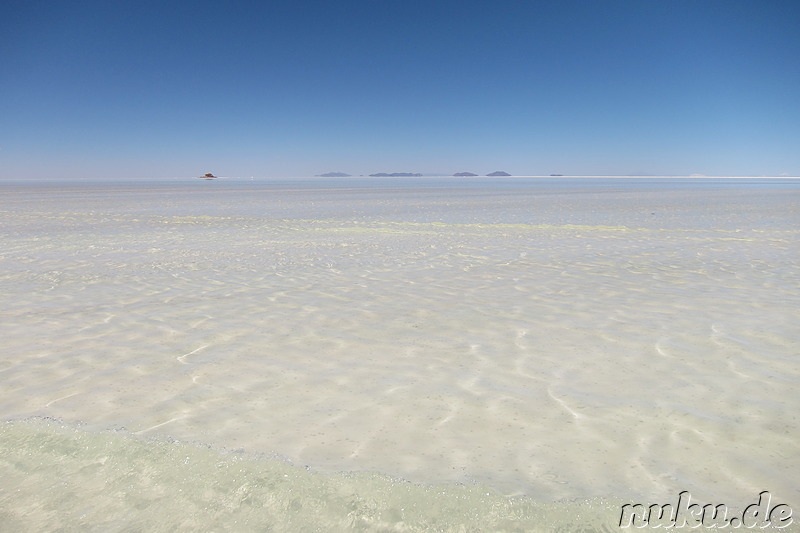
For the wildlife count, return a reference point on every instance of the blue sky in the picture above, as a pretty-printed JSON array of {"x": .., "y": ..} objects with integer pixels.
[{"x": 128, "y": 89}]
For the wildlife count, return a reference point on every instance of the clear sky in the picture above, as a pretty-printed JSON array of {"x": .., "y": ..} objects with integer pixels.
[{"x": 127, "y": 89}]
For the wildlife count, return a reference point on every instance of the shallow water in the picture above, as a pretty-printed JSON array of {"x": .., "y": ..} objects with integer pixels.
[{"x": 434, "y": 354}]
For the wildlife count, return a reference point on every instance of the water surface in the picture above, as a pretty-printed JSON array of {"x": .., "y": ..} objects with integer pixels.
[{"x": 395, "y": 354}]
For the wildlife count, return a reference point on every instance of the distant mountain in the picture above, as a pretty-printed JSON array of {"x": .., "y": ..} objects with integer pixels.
[
  {"x": 499, "y": 173},
  {"x": 395, "y": 175},
  {"x": 464, "y": 174},
  {"x": 333, "y": 175}
]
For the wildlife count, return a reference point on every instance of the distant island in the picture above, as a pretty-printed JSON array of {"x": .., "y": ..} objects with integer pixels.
[
  {"x": 402, "y": 175},
  {"x": 207, "y": 176},
  {"x": 395, "y": 175}
]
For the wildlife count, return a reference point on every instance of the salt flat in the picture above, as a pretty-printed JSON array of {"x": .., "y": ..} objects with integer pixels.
[{"x": 574, "y": 341}]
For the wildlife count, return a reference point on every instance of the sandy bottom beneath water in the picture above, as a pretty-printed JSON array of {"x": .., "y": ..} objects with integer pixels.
[{"x": 549, "y": 361}]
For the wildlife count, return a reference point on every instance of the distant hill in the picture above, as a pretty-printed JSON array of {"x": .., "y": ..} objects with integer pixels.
[
  {"x": 464, "y": 174},
  {"x": 333, "y": 175},
  {"x": 499, "y": 173},
  {"x": 395, "y": 175}
]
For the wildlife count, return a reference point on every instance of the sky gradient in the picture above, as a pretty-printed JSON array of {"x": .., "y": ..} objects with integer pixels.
[{"x": 124, "y": 89}]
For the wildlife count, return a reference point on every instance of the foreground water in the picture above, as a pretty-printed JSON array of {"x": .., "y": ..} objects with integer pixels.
[{"x": 394, "y": 355}]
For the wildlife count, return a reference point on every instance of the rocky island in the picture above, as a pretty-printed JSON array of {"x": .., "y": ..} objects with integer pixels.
[
  {"x": 499, "y": 173},
  {"x": 464, "y": 174}
]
